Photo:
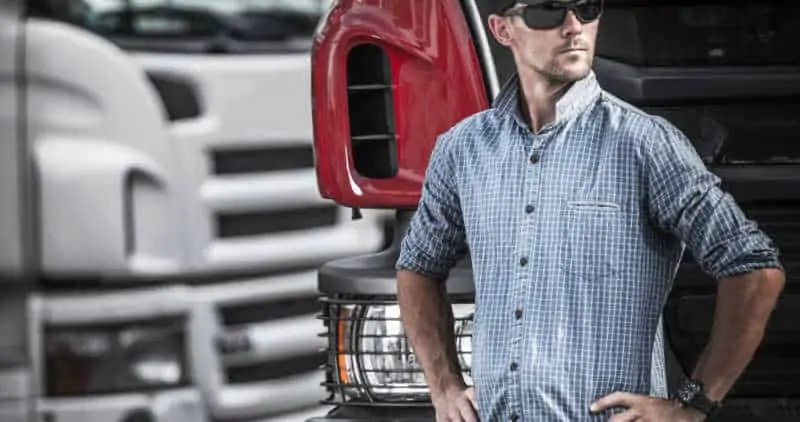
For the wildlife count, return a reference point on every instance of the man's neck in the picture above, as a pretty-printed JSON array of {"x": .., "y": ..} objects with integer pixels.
[{"x": 539, "y": 97}]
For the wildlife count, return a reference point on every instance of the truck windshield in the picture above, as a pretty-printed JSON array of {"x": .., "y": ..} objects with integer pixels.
[{"x": 194, "y": 26}]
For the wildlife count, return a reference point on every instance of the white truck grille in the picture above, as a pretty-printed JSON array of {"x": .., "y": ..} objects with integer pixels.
[
  {"x": 266, "y": 220},
  {"x": 253, "y": 207},
  {"x": 238, "y": 368},
  {"x": 257, "y": 346}
]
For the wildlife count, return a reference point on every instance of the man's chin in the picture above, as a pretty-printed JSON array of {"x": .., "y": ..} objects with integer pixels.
[{"x": 571, "y": 73}]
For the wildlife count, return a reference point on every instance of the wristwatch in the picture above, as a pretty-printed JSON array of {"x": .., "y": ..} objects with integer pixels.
[{"x": 692, "y": 394}]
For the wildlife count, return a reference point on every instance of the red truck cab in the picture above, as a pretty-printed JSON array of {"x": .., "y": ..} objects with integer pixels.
[{"x": 390, "y": 75}]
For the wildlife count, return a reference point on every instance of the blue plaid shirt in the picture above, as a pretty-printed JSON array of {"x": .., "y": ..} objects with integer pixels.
[{"x": 575, "y": 235}]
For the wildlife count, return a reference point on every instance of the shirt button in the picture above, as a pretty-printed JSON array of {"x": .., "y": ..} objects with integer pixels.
[
  {"x": 513, "y": 366},
  {"x": 518, "y": 313},
  {"x": 523, "y": 261},
  {"x": 529, "y": 209},
  {"x": 535, "y": 156}
]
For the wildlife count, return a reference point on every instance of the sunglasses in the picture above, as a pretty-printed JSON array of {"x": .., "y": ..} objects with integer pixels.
[{"x": 551, "y": 14}]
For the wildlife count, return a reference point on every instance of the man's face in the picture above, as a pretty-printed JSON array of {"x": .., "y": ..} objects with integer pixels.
[{"x": 561, "y": 54}]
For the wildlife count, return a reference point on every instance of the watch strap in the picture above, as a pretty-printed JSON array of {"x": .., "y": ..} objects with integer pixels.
[{"x": 702, "y": 403}]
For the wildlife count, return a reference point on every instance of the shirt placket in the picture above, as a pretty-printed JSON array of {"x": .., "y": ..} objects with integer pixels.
[{"x": 524, "y": 274}]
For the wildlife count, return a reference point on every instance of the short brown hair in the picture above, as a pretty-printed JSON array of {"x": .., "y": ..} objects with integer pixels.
[{"x": 503, "y": 5}]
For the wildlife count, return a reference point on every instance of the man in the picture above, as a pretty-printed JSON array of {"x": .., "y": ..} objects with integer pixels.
[{"x": 576, "y": 208}]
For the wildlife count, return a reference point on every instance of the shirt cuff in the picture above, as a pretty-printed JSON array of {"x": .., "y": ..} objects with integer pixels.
[
  {"x": 751, "y": 262},
  {"x": 413, "y": 258}
]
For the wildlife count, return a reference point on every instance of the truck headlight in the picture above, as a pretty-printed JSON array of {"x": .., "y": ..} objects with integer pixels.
[
  {"x": 109, "y": 359},
  {"x": 375, "y": 358}
]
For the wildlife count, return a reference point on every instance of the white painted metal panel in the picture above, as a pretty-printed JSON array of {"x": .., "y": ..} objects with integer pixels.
[
  {"x": 168, "y": 406},
  {"x": 105, "y": 166},
  {"x": 11, "y": 143}
]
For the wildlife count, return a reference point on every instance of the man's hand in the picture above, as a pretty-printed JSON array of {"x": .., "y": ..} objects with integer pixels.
[
  {"x": 646, "y": 409},
  {"x": 456, "y": 404}
]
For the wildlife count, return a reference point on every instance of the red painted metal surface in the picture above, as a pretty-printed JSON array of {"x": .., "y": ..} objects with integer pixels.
[{"x": 437, "y": 81}]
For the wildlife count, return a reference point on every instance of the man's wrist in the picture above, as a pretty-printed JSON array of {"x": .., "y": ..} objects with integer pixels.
[
  {"x": 446, "y": 383},
  {"x": 692, "y": 396},
  {"x": 695, "y": 415}
]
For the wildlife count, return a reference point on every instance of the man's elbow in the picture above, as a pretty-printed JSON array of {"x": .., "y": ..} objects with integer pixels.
[
  {"x": 772, "y": 280},
  {"x": 411, "y": 282}
]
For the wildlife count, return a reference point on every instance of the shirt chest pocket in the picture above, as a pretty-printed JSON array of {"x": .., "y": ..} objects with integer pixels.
[{"x": 591, "y": 239}]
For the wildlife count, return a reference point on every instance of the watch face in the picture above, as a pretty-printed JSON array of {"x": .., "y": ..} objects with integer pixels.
[{"x": 689, "y": 390}]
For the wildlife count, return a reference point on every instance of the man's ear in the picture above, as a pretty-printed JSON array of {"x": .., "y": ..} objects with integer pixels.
[{"x": 499, "y": 26}]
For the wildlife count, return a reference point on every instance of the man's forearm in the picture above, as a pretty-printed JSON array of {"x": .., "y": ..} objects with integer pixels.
[
  {"x": 428, "y": 320},
  {"x": 744, "y": 305}
]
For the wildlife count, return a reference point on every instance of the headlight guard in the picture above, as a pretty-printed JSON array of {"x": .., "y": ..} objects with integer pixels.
[{"x": 370, "y": 358}]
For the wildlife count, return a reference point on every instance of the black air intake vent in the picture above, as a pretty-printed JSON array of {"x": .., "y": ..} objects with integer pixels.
[
  {"x": 263, "y": 159},
  {"x": 258, "y": 312},
  {"x": 178, "y": 96},
  {"x": 275, "y": 370},
  {"x": 370, "y": 99},
  {"x": 259, "y": 223}
]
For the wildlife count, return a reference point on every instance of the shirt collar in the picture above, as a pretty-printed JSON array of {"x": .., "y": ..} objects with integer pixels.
[{"x": 578, "y": 96}]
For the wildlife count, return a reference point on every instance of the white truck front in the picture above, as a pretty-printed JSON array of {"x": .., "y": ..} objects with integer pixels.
[{"x": 159, "y": 192}]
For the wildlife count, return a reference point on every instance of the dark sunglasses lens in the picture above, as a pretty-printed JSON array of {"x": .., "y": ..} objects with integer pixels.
[
  {"x": 589, "y": 10},
  {"x": 544, "y": 17},
  {"x": 552, "y": 15}
]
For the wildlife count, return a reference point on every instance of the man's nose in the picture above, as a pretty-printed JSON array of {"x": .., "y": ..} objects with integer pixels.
[{"x": 571, "y": 25}]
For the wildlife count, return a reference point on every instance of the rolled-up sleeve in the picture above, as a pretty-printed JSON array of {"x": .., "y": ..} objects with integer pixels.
[
  {"x": 435, "y": 240},
  {"x": 686, "y": 199}
]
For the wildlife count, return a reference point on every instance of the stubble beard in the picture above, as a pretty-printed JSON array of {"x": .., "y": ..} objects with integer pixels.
[
  {"x": 556, "y": 73},
  {"x": 560, "y": 73}
]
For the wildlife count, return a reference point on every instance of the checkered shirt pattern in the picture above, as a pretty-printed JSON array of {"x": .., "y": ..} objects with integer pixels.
[{"x": 575, "y": 235}]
